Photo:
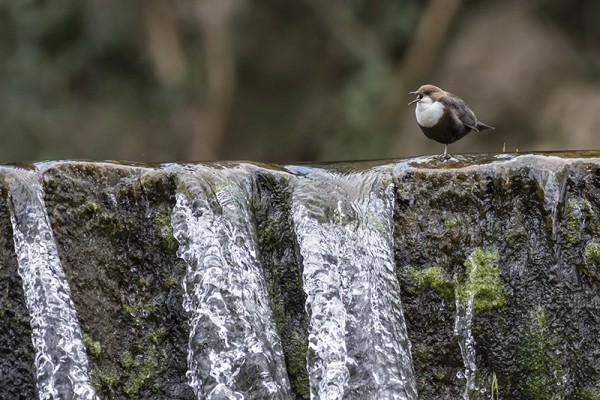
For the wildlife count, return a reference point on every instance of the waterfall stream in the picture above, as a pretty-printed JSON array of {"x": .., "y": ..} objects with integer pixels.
[
  {"x": 463, "y": 331},
  {"x": 61, "y": 360},
  {"x": 252, "y": 281},
  {"x": 358, "y": 344},
  {"x": 234, "y": 350}
]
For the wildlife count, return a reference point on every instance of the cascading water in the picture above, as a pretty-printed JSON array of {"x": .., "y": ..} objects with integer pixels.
[
  {"x": 358, "y": 344},
  {"x": 463, "y": 331},
  {"x": 234, "y": 349},
  {"x": 526, "y": 229},
  {"x": 61, "y": 360}
]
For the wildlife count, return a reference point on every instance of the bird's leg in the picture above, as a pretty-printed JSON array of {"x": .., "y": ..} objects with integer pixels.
[{"x": 445, "y": 156}]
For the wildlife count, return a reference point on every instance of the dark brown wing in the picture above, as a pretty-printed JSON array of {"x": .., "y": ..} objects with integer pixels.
[{"x": 461, "y": 110}]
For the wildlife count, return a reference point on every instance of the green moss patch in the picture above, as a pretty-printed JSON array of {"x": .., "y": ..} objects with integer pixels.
[
  {"x": 591, "y": 259},
  {"x": 434, "y": 278},
  {"x": 482, "y": 270},
  {"x": 539, "y": 359},
  {"x": 106, "y": 380},
  {"x": 452, "y": 221},
  {"x": 483, "y": 279},
  {"x": 162, "y": 219},
  {"x": 297, "y": 365},
  {"x": 93, "y": 347},
  {"x": 579, "y": 217},
  {"x": 574, "y": 218}
]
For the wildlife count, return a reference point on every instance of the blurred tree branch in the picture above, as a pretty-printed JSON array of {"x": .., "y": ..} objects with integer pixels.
[
  {"x": 216, "y": 19},
  {"x": 429, "y": 40},
  {"x": 420, "y": 58},
  {"x": 361, "y": 41},
  {"x": 163, "y": 42},
  {"x": 423, "y": 52}
]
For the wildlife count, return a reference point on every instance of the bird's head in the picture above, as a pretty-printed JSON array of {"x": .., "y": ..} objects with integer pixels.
[{"x": 428, "y": 92}]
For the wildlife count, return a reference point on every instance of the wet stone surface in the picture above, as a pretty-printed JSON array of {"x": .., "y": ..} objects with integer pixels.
[
  {"x": 112, "y": 227},
  {"x": 17, "y": 373},
  {"x": 539, "y": 213},
  {"x": 520, "y": 234}
]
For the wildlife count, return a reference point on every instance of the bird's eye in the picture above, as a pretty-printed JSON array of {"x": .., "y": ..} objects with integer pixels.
[{"x": 419, "y": 96}]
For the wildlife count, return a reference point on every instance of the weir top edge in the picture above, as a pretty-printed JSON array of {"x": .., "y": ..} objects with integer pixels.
[{"x": 429, "y": 163}]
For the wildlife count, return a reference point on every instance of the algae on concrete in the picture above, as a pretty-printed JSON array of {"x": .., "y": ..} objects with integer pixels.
[
  {"x": 539, "y": 359},
  {"x": 282, "y": 267},
  {"x": 435, "y": 278},
  {"x": 112, "y": 228},
  {"x": 482, "y": 269},
  {"x": 93, "y": 347},
  {"x": 591, "y": 260},
  {"x": 17, "y": 372},
  {"x": 483, "y": 280},
  {"x": 574, "y": 218}
]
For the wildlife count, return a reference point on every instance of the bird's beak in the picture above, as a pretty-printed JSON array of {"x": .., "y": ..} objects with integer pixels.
[{"x": 415, "y": 100}]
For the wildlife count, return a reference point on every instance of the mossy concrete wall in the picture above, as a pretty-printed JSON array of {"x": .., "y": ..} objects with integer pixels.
[
  {"x": 538, "y": 216},
  {"x": 113, "y": 231},
  {"x": 528, "y": 225}
]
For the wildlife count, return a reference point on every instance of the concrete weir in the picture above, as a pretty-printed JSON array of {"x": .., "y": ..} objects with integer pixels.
[{"x": 477, "y": 277}]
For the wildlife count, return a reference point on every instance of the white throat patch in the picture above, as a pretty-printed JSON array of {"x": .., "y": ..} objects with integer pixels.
[{"x": 429, "y": 112}]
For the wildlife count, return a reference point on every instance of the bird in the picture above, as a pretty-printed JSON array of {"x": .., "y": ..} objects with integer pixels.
[{"x": 444, "y": 117}]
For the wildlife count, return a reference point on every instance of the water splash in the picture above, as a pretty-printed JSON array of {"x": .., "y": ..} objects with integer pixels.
[
  {"x": 234, "y": 349},
  {"x": 358, "y": 344},
  {"x": 61, "y": 360}
]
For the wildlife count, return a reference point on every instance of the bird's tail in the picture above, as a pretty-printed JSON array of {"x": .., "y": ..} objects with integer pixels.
[{"x": 482, "y": 127}]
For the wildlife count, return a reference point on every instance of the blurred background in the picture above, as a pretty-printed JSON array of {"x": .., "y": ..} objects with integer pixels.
[{"x": 287, "y": 81}]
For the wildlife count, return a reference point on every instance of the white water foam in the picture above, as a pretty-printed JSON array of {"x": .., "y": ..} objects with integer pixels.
[
  {"x": 61, "y": 360},
  {"x": 234, "y": 349},
  {"x": 358, "y": 344}
]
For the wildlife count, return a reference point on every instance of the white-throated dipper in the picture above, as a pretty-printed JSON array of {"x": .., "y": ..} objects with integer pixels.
[{"x": 443, "y": 116}]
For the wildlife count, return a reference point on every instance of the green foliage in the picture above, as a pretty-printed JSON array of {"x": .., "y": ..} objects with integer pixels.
[
  {"x": 80, "y": 81},
  {"x": 57, "y": 57},
  {"x": 82, "y": 78}
]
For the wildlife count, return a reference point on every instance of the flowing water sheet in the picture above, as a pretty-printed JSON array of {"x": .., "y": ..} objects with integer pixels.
[
  {"x": 234, "y": 349},
  {"x": 358, "y": 344},
  {"x": 61, "y": 360},
  {"x": 462, "y": 330}
]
